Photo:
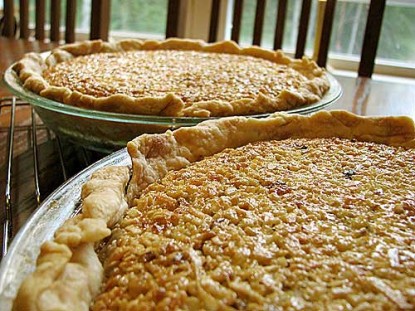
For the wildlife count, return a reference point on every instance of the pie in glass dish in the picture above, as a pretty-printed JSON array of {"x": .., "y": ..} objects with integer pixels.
[
  {"x": 175, "y": 77},
  {"x": 288, "y": 212}
]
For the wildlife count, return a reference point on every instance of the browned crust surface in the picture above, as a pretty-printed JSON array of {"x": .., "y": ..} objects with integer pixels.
[
  {"x": 64, "y": 277},
  {"x": 154, "y": 155},
  {"x": 68, "y": 273},
  {"x": 308, "y": 223},
  {"x": 315, "y": 83}
]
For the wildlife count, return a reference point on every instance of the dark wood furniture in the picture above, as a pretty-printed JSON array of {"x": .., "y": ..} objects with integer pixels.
[
  {"x": 100, "y": 19},
  {"x": 99, "y": 14},
  {"x": 371, "y": 37}
]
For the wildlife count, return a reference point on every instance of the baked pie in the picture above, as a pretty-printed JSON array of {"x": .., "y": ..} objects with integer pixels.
[
  {"x": 175, "y": 77},
  {"x": 289, "y": 212}
]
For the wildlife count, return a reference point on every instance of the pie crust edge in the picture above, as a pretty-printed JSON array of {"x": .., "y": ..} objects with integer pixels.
[
  {"x": 31, "y": 67},
  {"x": 72, "y": 251}
]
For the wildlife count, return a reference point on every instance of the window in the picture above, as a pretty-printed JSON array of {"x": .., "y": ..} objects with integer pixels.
[
  {"x": 148, "y": 18},
  {"x": 396, "y": 45},
  {"x": 397, "y": 37},
  {"x": 129, "y": 18}
]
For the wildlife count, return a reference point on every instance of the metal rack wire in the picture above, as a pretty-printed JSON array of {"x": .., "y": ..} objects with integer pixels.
[{"x": 26, "y": 145}]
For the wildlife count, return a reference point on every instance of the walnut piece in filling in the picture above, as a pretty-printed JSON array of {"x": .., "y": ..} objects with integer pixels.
[{"x": 300, "y": 224}]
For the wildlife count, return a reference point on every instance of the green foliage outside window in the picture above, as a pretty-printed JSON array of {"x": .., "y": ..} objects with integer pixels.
[{"x": 139, "y": 15}]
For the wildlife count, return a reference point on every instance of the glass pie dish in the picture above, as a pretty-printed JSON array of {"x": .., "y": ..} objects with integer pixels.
[{"x": 108, "y": 131}]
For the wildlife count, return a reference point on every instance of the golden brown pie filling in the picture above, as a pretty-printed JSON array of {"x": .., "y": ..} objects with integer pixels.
[
  {"x": 295, "y": 224},
  {"x": 193, "y": 76},
  {"x": 174, "y": 77}
]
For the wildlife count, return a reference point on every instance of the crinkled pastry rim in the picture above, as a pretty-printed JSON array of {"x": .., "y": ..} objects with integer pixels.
[
  {"x": 68, "y": 273},
  {"x": 30, "y": 71}
]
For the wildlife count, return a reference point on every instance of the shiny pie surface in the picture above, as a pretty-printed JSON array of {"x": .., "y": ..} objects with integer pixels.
[{"x": 294, "y": 224}]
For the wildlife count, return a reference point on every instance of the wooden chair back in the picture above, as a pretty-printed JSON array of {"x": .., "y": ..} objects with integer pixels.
[
  {"x": 100, "y": 18},
  {"x": 100, "y": 15},
  {"x": 370, "y": 42}
]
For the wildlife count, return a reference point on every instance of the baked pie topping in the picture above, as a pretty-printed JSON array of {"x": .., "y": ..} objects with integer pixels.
[
  {"x": 298, "y": 223},
  {"x": 174, "y": 77},
  {"x": 287, "y": 218},
  {"x": 193, "y": 76}
]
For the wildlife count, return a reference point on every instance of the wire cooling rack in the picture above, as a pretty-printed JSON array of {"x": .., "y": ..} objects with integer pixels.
[{"x": 33, "y": 162}]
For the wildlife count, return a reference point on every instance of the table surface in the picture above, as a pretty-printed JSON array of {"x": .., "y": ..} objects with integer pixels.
[{"x": 363, "y": 96}]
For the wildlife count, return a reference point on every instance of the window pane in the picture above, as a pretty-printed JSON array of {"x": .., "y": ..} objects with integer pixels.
[
  {"x": 397, "y": 35},
  {"x": 83, "y": 15},
  {"x": 396, "y": 41},
  {"x": 247, "y": 23},
  {"x": 270, "y": 19},
  {"x": 349, "y": 28},
  {"x": 139, "y": 16}
]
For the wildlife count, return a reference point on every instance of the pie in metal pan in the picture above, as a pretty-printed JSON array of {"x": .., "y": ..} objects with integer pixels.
[{"x": 287, "y": 212}]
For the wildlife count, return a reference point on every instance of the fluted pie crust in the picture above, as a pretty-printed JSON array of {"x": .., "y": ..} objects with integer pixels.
[
  {"x": 175, "y": 77},
  {"x": 69, "y": 274}
]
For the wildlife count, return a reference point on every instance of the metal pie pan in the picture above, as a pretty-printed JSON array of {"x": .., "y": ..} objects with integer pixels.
[{"x": 62, "y": 204}]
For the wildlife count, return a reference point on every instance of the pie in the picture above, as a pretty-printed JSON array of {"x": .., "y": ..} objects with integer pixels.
[
  {"x": 284, "y": 213},
  {"x": 175, "y": 77}
]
